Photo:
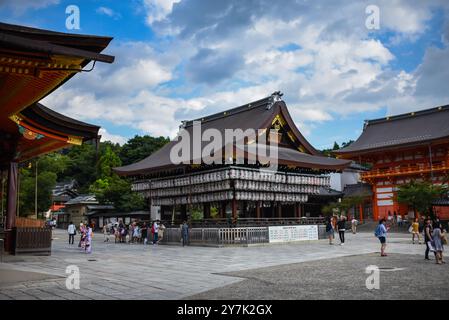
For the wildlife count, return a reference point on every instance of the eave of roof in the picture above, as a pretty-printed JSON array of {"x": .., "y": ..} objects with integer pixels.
[
  {"x": 401, "y": 131},
  {"x": 255, "y": 115}
]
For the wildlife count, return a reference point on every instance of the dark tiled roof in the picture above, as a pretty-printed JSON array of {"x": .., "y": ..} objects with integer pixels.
[
  {"x": 50, "y": 42},
  {"x": 402, "y": 130},
  {"x": 47, "y": 118},
  {"x": 255, "y": 115},
  {"x": 83, "y": 199}
]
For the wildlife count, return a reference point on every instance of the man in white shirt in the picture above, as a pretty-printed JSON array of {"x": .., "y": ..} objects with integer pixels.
[
  {"x": 155, "y": 232},
  {"x": 71, "y": 230}
]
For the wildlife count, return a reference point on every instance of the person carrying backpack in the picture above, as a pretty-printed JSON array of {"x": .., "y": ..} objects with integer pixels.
[{"x": 381, "y": 234}]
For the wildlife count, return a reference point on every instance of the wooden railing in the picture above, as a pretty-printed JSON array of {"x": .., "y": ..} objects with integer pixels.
[
  {"x": 410, "y": 169},
  {"x": 254, "y": 222},
  {"x": 32, "y": 240},
  {"x": 241, "y": 236}
]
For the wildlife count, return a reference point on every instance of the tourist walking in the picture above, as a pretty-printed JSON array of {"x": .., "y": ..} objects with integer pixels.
[
  {"x": 82, "y": 235},
  {"x": 415, "y": 231},
  {"x": 71, "y": 230},
  {"x": 161, "y": 232},
  {"x": 105, "y": 233},
  {"x": 381, "y": 234},
  {"x": 428, "y": 238},
  {"x": 330, "y": 230},
  {"x": 437, "y": 236},
  {"x": 155, "y": 231},
  {"x": 341, "y": 228},
  {"x": 354, "y": 223},
  {"x": 88, "y": 240},
  {"x": 145, "y": 233},
  {"x": 185, "y": 233}
]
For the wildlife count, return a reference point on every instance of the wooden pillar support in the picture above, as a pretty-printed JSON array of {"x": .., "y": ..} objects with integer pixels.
[
  {"x": 361, "y": 212},
  {"x": 206, "y": 214},
  {"x": 258, "y": 209},
  {"x": 11, "y": 206},
  {"x": 234, "y": 209},
  {"x": 279, "y": 210}
]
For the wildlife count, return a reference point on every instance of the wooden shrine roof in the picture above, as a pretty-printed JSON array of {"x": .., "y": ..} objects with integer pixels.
[
  {"x": 257, "y": 115},
  {"x": 405, "y": 130},
  {"x": 33, "y": 63}
]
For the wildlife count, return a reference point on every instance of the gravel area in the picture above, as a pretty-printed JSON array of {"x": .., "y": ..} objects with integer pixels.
[{"x": 401, "y": 277}]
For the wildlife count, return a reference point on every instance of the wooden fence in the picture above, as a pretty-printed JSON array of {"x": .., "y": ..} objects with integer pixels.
[
  {"x": 32, "y": 240},
  {"x": 218, "y": 237}
]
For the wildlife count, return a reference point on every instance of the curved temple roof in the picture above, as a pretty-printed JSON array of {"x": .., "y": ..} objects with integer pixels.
[
  {"x": 415, "y": 128},
  {"x": 33, "y": 63},
  {"x": 258, "y": 115}
]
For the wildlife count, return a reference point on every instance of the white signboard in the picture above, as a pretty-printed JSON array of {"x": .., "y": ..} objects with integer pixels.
[
  {"x": 382, "y": 203},
  {"x": 292, "y": 233}
]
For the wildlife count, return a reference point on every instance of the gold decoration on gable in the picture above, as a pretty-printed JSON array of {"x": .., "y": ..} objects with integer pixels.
[{"x": 75, "y": 140}]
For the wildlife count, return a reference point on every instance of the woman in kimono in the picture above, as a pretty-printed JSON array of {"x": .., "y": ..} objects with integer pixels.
[
  {"x": 83, "y": 236},
  {"x": 88, "y": 241}
]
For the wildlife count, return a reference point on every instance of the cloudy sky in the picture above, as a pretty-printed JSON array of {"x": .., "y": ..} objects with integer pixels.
[{"x": 181, "y": 59}]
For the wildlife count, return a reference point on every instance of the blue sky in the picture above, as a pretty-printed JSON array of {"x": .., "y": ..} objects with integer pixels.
[{"x": 181, "y": 59}]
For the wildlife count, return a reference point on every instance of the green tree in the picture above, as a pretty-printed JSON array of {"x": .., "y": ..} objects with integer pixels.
[
  {"x": 82, "y": 166},
  {"x": 110, "y": 188},
  {"x": 49, "y": 167},
  {"x": 140, "y": 147},
  {"x": 419, "y": 195}
]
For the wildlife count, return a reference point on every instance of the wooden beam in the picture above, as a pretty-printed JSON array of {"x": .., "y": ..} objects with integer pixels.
[{"x": 258, "y": 209}]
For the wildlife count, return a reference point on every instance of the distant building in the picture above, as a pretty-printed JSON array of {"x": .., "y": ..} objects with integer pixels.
[
  {"x": 76, "y": 210},
  {"x": 402, "y": 148},
  {"x": 61, "y": 193}
]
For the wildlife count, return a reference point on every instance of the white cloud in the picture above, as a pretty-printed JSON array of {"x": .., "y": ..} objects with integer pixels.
[
  {"x": 109, "y": 12},
  {"x": 335, "y": 70},
  {"x": 106, "y": 136},
  {"x": 19, "y": 7},
  {"x": 157, "y": 10}
]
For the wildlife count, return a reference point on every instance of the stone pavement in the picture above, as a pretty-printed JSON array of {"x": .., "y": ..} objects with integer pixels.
[{"x": 134, "y": 271}]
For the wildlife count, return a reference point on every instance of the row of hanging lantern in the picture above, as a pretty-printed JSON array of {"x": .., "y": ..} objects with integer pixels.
[
  {"x": 270, "y": 196},
  {"x": 275, "y": 187},
  {"x": 141, "y": 186},
  {"x": 241, "y": 174},
  {"x": 197, "y": 188},
  {"x": 206, "y": 197}
]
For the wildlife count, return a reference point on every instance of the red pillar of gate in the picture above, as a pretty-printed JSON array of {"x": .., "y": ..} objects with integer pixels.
[{"x": 258, "y": 209}]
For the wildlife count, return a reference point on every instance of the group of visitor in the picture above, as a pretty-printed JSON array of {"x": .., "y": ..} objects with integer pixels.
[
  {"x": 338, "y": 224},
  {"x": 432, "y": 232},
  {"x": 86, "y": 235},
  {"x": 132, "y": 233},
  {"x": 434, "y": 236}
]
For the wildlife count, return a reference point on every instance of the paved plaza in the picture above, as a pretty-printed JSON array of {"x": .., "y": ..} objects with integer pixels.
[{"x": 306, "y": 270}]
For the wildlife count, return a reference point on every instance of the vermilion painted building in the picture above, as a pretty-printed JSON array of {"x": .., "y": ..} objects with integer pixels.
[{"x": 401, "y": 148}]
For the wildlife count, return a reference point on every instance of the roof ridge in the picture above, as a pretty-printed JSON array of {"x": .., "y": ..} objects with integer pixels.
[
  {"x": 232, "y": 111},
  {"x": 407, "y": 115}
]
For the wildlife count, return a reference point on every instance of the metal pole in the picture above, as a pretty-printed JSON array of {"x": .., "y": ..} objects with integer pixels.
[{"x": 35, "y": 193}]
